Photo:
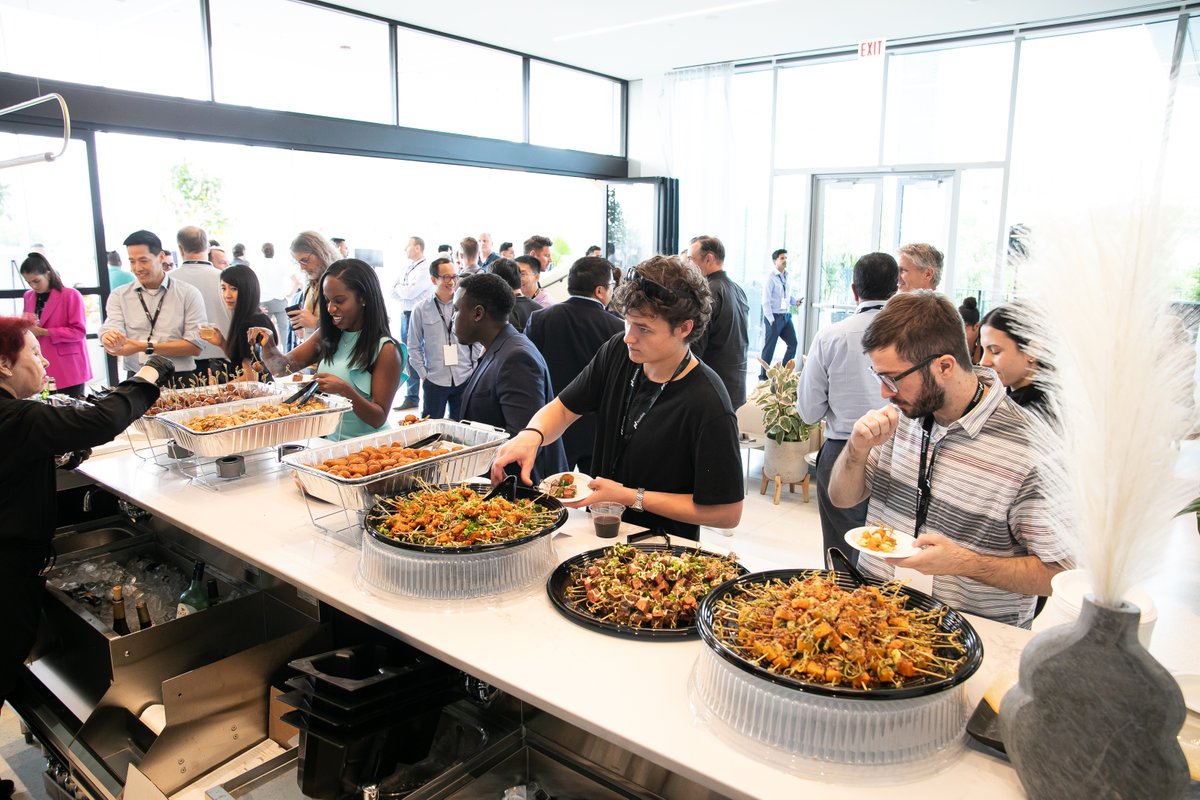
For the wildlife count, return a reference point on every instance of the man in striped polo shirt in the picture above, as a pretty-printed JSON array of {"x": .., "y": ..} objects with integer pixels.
[{"x": 949, "y": 459}]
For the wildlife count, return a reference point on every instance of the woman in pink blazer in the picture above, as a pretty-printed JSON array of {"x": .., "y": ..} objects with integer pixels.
[{"x": 60, "y": 324}]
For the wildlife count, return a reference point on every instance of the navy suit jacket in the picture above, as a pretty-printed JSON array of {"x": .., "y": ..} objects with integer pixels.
[
  {"x": 510, "y": 384},
  {"x": 569, "y": 334}
]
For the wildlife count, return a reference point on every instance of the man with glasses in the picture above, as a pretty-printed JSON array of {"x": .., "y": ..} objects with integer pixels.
[
  {"x": 666, "y": 441},
  {"x": 725, "y": 341},
  {"x": 442, "y": 362},
  {"x": 950, "y": 461},
  {"x": 569, "y": 334},
  {"x": 836, "y": 385}
]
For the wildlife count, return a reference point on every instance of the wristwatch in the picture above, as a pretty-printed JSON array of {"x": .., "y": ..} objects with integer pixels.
[
  {"x": 637, "y": 500},
  {"x": 149, "y": 348}
]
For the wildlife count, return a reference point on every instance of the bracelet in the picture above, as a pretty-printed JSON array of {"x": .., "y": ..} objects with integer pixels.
[{"x": 539, "y": 433}]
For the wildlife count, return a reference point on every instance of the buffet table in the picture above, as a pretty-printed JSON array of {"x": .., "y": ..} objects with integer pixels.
[{"x": 632, "y": 693}]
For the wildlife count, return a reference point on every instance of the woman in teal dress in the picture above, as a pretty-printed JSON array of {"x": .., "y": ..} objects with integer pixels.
[{"x": 355, "y": 353}]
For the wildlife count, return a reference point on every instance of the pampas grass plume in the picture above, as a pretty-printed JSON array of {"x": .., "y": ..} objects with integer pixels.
[{"x": 1120, "y": 385}]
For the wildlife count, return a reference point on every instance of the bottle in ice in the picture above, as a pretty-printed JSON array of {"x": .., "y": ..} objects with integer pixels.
[
  {"x": 214, "y": 593},
  {"x": 120, "y": 626},
  {"x": 143, "y": 615},
  {"x": 195, "y": 596}
]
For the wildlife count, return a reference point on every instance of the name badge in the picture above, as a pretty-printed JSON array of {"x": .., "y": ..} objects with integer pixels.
[{"x": 450, "y": 355}]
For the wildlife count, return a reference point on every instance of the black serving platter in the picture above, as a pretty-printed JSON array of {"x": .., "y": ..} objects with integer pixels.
[
  {"x": 559, "y": 583},
  {"x": 507, "y": 488},
  {"x": 952, "y": 621}
]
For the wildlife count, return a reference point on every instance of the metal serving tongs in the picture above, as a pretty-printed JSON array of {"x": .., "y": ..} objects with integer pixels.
[
  {"x": 305, "y": 392},
  {"x": 838, "y": 561}
]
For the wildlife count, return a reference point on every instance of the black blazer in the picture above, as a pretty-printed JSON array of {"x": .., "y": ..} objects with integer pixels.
[
  {"x": 508, "y": 387},
  {"x": 569, "y": 334}
]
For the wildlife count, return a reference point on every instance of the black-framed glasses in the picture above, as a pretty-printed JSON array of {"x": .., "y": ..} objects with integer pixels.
[
  {"x": 450, "y": 278},
  {"x": 655, "y": 290},
  {"x": 891, "y": 381}
]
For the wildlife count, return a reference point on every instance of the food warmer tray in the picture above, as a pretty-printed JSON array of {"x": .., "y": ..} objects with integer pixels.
[
  {"x": 902, "y": 731},
  {"x": 443, "y": 573},
  {"x": 559, "y": 583},
  {"x": 149, "y": 426},
  {"x": 358, "y": 494},
  {"x": 254, "y": 435}
]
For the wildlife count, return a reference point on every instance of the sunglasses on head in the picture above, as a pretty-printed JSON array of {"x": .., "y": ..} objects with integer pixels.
[{"x": 655, "y": 290}]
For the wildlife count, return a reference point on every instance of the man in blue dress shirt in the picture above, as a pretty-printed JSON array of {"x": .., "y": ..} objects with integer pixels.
[
  {"x": 836, "y": 385},
  {"x": 776, "y": 304}
]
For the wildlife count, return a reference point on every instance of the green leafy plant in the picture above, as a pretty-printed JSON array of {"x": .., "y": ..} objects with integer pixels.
[
  {"x": 196, "y": 198},
  {"x": 776, "y": 396}
]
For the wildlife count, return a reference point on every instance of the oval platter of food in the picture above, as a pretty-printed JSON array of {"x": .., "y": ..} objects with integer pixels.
[
  {"x": 880, "y": 540},
  {"x": 567, "y": 486}
]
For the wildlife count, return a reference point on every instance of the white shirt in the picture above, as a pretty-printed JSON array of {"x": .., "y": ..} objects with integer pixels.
[
  {"x": 412, "y": 286},
  {"x": 205, "y": 277},
  {"x": 179, "y": 317}
]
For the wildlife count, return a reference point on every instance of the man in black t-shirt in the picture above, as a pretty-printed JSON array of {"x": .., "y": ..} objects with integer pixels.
[{"x": 666, "y": 441}]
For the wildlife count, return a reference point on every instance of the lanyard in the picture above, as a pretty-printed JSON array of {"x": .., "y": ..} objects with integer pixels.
[
  {"x": 626, "y": 433},
  {"x": 449, "y": 323},
  {"x": 153, "y": 320},
  {"x": 925, "y": 471}
]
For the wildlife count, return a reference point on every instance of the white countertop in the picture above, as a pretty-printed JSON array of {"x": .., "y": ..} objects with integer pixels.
[{"x": 632, "y": 693}]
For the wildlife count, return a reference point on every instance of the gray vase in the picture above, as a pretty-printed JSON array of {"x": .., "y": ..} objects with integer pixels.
[{"x": 1093, "y": 715}]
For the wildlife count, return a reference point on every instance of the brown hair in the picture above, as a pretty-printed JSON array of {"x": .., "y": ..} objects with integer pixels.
[
  {"x": 919, "y": 324},
  {"x": 693, "y": 300}
]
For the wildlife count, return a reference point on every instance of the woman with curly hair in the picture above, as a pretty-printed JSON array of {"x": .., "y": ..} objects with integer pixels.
[{"x": 666, "y": 439}]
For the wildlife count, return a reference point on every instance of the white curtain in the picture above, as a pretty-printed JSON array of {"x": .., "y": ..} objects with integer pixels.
[{"x": 696, "y": 116}]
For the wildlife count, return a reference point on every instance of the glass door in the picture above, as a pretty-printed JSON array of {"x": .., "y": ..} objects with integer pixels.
[
  {"x": 641, "y": 219},
  {"x": 846, "y": 219},
  {"x": 858, "y": 214}
]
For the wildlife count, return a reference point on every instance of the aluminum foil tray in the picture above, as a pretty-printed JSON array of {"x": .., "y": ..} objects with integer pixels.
[
  {"x": 254, "y": 435},
  {"x": 358, "y": 494},
  {"x": 455, "y": 576},
  {"x": 151, "y": 429}
]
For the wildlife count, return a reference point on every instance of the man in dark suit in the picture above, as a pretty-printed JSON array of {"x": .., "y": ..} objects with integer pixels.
[
  {"x": 511, "y": 382},
  {"x": 568, "y": 334},
  {"x": 725, "y": 341}
]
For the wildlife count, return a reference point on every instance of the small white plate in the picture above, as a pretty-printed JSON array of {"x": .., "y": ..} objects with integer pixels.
[
  {"x": 1189, "y": 684},
  {"x": 582, "y": 492},
  {"x": 296, "y": 379},
  {"x": 904, "y": 543}
]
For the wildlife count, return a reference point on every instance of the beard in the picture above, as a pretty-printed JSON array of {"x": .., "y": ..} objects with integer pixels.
[{"x": 931, "y": 398}]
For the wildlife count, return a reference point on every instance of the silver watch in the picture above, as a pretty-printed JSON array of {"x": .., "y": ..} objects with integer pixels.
[{"x": 637, "y": 500}]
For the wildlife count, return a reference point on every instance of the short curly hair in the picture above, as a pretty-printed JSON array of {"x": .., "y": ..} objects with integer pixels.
[{"x": 693, "y": 300}]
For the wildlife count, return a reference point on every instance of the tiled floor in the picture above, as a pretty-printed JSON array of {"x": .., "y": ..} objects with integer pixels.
[{"x": 769, "y": 535}]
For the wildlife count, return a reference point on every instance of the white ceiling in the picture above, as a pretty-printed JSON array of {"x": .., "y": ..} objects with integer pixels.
[{"x": 636, "y": 38}]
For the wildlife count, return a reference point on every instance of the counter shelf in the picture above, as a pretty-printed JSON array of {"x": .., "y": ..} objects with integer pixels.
[{"x": 339, "y": 505}]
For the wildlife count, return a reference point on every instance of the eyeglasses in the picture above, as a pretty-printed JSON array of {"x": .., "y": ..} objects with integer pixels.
[
  {"x": 891, "y": 381},
  {"x": 303, "y": 260},
  {"x": 655, "y": 290},
  {"x": 448, "y": 278}
]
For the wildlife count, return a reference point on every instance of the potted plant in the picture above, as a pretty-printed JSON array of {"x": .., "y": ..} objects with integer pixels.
[{"x": 787, "y": 434}]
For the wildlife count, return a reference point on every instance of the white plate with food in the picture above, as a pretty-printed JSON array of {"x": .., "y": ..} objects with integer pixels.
[
  {"x": 567, "y": 486},
  {"x": 882, "y": 541},
  {"x": 297, "y": 378}
]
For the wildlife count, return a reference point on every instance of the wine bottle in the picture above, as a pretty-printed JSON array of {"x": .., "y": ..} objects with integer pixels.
[
  {"x": 143, "y": 615},
  {"x": 119, "y": 625},
  {"x": 194, "y": 597},
  {"x": 214, "y": 594}
]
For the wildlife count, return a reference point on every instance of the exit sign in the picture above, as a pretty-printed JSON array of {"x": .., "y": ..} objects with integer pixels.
[{"x": 871, "y": 48}]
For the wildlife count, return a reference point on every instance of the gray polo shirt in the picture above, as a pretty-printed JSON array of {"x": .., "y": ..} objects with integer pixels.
[
  {"x": 207, "y": 278},
  {"x": 180, "y": 317}
]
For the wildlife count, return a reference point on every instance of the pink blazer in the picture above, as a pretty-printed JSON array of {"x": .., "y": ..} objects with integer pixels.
[{"x": 66, "y": 322}]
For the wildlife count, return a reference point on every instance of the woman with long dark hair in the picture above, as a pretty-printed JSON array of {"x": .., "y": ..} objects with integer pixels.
[
  {"x": 240, "y": 292},
  {"x": 1006, "y": 351},
  {"x": 59, "y": 322},
  {"x": 359, "y": 359}
]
